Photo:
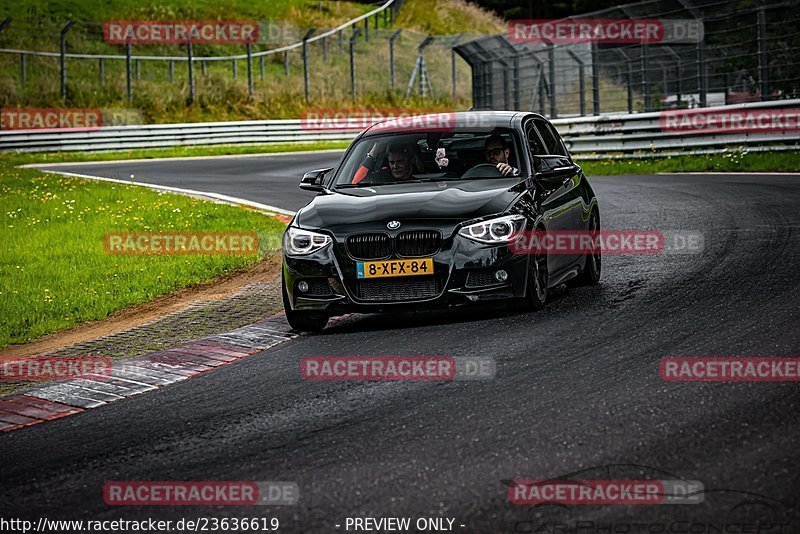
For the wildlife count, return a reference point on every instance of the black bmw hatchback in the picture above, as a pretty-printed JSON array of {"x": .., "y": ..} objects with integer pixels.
[{"x": 421, "y": 213}]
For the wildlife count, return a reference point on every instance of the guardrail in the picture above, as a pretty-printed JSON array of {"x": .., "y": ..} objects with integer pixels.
[
  {"x": 620, "y": 135},
  {"x": 644, "y": 132}
]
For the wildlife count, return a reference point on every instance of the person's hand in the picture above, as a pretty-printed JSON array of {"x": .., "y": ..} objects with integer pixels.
[{"x": 505, "y": 168}]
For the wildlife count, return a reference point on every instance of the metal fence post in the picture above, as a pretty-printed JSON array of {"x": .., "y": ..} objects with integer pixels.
[
  {"x": 23, "y": 70},
  {"x": 261, "y": 66},
  {"x": 366, "y": 30},
  {"x": 233, "y": 68},
  {"x": 679, "y": 66},
  {"x": 551, "y": 59},
  {"x": 128, "y": 84},
  {"x": 171, "y": 70},
  {"x": 203, "y": 68},
  {"x": 515, "y": 60},
  {"x": 249, "y": 69},
  {"x": 101, "y": 71},
  {"x": 356, "y": 33},
  {"x": 664, "y": 79},
  {"x": 453, "y": 62},
  {"x": 63, "y": 57},
  {"x": 595, "y": 82},
  {"x": 376, "y": 21},
  {"x": 645, "y": 89},
  {"x": 763, "y": 58},
  {"x": 191, "y": 74},
  {"x": 325, "y": 49},
  {"x": 581, "y": 80},
  {"x": 394, "y": 36},
  {"x": 629, "y": 71},
  {"x": 702, "y": 74},
  {"x": 286, "y": 63},
  {"x": 341, "y": 41},
  {"x": 308, "y": 34}
]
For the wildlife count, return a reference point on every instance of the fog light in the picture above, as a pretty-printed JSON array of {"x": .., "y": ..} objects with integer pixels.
[
  {"x": 302, "y": 286},
  {"x": 501, "y": 275}
]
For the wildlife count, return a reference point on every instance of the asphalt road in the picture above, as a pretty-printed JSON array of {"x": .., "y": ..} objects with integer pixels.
[
  {"x": 577, "y": 390},
  {"x": 271, "y": 180}
]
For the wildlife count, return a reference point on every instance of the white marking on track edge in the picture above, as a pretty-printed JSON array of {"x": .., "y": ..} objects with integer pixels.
[
  {"x": 182, "y": 158},
  {"x": 188, "y": 192}
]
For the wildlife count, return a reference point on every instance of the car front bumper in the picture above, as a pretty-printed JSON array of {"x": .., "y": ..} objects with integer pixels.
[{"x": 464, "y": 273}]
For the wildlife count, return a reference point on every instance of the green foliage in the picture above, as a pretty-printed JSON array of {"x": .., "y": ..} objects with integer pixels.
[
  {"x": 728, "y": 161},
  {"x": 55, "y": 270}
]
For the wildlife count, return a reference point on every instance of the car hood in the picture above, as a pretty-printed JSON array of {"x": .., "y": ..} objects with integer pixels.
[{"x": 365, "y": 207}]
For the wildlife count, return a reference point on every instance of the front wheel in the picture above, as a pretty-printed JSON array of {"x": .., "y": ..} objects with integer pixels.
[
  {"x": 590, "y": 274},
  {"x": 303, "y": 321},
  {"x": 538, "y": 276}
]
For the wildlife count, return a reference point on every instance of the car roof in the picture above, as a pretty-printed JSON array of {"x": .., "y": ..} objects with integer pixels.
[{"x": 447, "y": 121}]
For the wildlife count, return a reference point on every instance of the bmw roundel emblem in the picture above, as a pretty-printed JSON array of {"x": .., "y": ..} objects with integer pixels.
[{"x": 393, "y": 225}]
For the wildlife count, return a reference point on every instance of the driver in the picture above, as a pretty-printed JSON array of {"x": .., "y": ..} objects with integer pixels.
[
  {"x": 399, "y": 159},
  {"x": 497, "y": 153}
]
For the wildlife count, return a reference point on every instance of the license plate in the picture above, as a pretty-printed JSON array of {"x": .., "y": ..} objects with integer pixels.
[{"x": 379, "y": 269}]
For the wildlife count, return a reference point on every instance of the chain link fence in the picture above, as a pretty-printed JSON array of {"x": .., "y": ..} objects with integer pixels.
[
  {"x": 745, "y": 51},
  {"x": 362, "y": 62}
]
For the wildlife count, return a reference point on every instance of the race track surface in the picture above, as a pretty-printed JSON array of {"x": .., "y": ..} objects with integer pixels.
[{"x": 577, "y": 388}]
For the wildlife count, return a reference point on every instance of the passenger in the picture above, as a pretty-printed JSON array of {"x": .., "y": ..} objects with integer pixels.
[{"x": 497, "y": 152}]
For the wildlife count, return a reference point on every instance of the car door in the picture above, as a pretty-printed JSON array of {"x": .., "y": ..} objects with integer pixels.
[{"x": 558, "y": 180}]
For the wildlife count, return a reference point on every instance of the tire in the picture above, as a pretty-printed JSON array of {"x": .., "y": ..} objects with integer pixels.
[
  {"x": 590, "y": 274},
  {"x": 303, "y": 321},
  {"x": 538, "y": 277}
]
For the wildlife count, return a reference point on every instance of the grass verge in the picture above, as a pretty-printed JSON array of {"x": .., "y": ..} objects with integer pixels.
[
  {"x": 21, "y": 158},
  {"x": 54, "y": 270},
  {"x": 733, "y": 161}
]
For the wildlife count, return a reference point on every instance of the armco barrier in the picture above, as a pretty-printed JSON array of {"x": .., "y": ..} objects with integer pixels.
[{"x": 625, "y": 135}]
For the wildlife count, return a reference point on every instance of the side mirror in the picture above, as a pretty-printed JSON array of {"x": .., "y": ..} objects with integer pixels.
[
  {"x": 312, "y": 180},
  {"x": 553, "y": 167}
]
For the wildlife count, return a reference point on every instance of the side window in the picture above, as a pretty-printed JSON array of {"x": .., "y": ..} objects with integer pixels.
[
  {"x": 534, "y": 141},
  {"x": 552, "y": 140}
]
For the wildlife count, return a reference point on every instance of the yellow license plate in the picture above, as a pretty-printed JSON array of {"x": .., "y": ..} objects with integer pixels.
[{"x": 388, "y": 268}]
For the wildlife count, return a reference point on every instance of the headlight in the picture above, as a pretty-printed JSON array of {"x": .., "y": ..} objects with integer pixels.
[
  {"x": 298, "y": 242},
  {"x": 495, "y": 231}
]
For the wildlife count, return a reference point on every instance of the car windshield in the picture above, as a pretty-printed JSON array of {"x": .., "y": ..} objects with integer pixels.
[{"x": 430, "y": 156}]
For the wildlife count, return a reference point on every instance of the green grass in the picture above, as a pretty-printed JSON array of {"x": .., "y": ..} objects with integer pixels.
[
  {"x": 731, "y": 161},
  {"x": 158, "y": 99},
  {"x": 22, "y": 158},
  {"x": 54, "y": 271}
]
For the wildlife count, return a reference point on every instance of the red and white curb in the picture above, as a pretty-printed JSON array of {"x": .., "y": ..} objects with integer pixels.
[{"x": 141, "y": 374}]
